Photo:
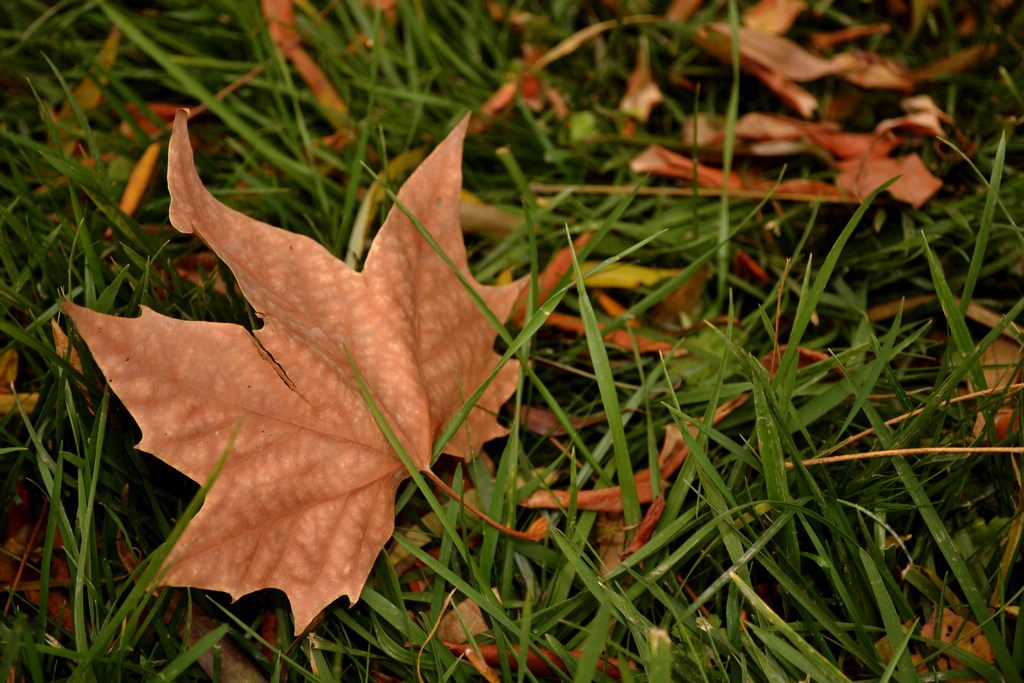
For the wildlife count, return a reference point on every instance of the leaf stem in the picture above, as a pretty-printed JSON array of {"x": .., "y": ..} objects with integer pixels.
[{"x": 536, "y": 531}]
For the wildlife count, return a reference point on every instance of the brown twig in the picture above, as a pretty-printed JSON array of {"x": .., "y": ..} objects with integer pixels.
[
  {"x": 901, "y": 452},
  {"x": 535, "y": 532},
  {"x": 552, "y": 188},
  {"x": 1009, "y": 389}
]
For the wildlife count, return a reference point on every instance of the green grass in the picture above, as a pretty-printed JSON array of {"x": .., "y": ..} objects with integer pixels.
[{"x": 757, "y": 570}]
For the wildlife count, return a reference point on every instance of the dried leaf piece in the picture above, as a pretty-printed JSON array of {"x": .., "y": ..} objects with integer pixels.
[
  {"x": 624, "y": 339},
  {"x": 777, "y": 53},
  {"x": 873, "y": 72},
  {"x": 673, "y": 453},
  {"x": 306, "y": 498},
  {"x": 139, "y": 179},
  {"x": 660, "y": 161},
  {"x": 280, "y": 16},
  {"x": 823, "y": 41},
  {"x": 923, "y": 118},
  {"x": 915, "y": 186},
  {"x": 462, "y": 622},
  {"x": 957, "y": 63},
  {"x": 1002, "y": 367},
  {"x": 764, "y": 56},
  {"x": 642, "y": 93},
  {"x": 544, "y": 422},
  {"x": 529, "y": 85},
  {"x": 9, "y": 398},
  {"x": 646, "y": 528},
  {"x": 961, "y": 633},
  {"x": 773, "y": 16},
  {"x": 681, "y": 10}
]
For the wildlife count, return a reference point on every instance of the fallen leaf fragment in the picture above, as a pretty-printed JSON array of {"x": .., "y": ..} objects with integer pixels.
[
  {"x": 139, "y": 179},
  {"x": 916, "y": 184},
  {"x": 959, "y": 632},
  {"x": 773, "y": 16},
  {"x": 660, "y": 161},
  {"x": 529, "y": 85},
  {"x": 679, "y": 306},
  {"x": 822, "y": 41},
  {"x": 673, "y": 453},
  {"x": 956, "y": 63},
  {"x": 646, "y": 528},
  {"x": 1002, "y": 367},
  {"x": 9, "y": 398},
  {"x": 873, "y": 72},
  {"x": 463, "y": 621},
  {"x": 623, "y": 339},
  {"x": 280, "y": 16},
  {"x": 305, "y": 500},
  {"x": 642, "y": 93},
  {"x": 681, "y": 10},
  {"x": 544, "y": 422},
  {"x": 804, "y": 358},
  {"x": 777, "y": 53}
]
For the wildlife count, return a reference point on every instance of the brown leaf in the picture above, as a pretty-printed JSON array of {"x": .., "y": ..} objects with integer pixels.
[
  {"x": 775, "y": 61},
  {"x": 778, "y": 53},
  {"x": 804, "y": 358},
  {"x": 646, "y": 528},
  {"x": 305, "y": 500},
  {"x": 9, "y": 398},
  {"x": 681, "y": 10},
  {"x": 822, "y": 41},
  {"x": 642, "y": 93},
  {"x": 873, "y": 72},
  {"x": 673, "y": 453},
  {"x": 915, "y": 186},
  {"x": 464, "y": 621},
  {"x": 923, "y": 118},
  {"x": 957, "y": 63},
  {"x": 1002, "y": 367},
  {"x": 961, "y": 633},
  {"x": 624, "y": 339},
  {"x": 280, "y": 16},
  {"x": 773, "y": 16},
  {"x": 657, "y": 160},
  {"x": 680, "y": 304},
  {"x": 544, "y": 422}
]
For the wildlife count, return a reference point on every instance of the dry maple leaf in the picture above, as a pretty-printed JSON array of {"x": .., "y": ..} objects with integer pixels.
[{"x": 305, "y": 500}]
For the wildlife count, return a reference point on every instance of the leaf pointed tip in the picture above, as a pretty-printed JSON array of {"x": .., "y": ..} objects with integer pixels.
[{"x": 183, "y": 182}]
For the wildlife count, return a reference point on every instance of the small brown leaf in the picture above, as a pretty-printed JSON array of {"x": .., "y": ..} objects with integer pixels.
[
  {"x": 961, "y": 633},
  {"x": 778, "y": 54},
  {"x": 773, "y": 16},
  {"x": 823, "y": 41},
  {"x": 873, "y": 72},
  {"x": 657, "y": 160},
  {"x": 916, "y": 184},
  {"x": 543, "y": 421},
  {"x": 642, "y": 93},
  {"x": 681, "y": 10},
  {"x": 280, "y": 16},
  {"x": 463, "y": 621},
  {"x": 646, "y": 528}
]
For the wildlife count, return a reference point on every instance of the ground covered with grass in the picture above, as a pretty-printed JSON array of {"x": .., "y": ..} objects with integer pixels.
[{"x": 756, "y": 330}]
